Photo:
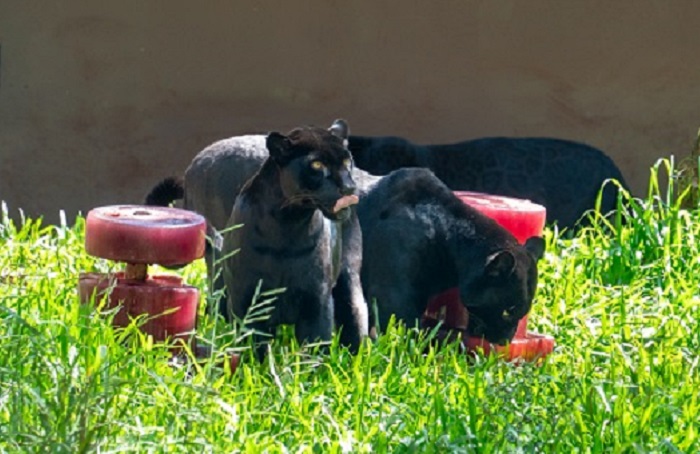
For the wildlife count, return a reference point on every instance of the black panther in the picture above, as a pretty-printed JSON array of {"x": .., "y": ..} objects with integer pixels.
[
  {"x": 563, "y": 176},
  {"x": 419, "y": 240},
  {"x": 298, "y": 232}
]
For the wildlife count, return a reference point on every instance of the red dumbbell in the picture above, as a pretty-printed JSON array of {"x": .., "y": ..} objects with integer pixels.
[
  {"x": 523, "y": 219},
  {"x": 139, "y": 236}
]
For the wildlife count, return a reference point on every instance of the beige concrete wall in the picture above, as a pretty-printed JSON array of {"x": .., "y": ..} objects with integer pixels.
[{"x": 98, "y": 100}]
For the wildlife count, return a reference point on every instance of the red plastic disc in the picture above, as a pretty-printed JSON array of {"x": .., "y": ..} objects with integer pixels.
[
  {"x": 530, "y": 347},
  {"x": 145, "y": 234},
  {"x": 170, "y": 305},
  {"x": 522, "y": 218}
]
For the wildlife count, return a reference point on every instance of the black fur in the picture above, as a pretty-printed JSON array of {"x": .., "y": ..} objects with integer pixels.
[
  {"x": 290, "y": 237},
  {"x": 166, "y": 192},
  {"x": 419, "y": 239},
  {"x": 562, "y": 175}
]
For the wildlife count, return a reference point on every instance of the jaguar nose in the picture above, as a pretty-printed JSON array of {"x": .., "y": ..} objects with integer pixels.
[
  {"x": 348, "y": 189},
  {"x": 347, "y": 185}
]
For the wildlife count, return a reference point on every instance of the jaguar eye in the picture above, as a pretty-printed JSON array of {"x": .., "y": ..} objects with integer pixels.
[
  {"x": 508, "y": 313},
  {"x": 347, "y": 163},
  {"x": 317, "y": 165}
]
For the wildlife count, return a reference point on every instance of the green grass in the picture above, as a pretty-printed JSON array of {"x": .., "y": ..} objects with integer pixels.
[{"x": 623, "y": 305}]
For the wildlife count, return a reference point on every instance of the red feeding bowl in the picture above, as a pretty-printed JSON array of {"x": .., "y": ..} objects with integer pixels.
[
  {"x": 142, "y": 235},
  {"x": 523, "y": 219}
]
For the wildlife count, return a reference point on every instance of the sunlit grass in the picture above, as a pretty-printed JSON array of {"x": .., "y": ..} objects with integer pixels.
[{"x": 622, "y": 302}]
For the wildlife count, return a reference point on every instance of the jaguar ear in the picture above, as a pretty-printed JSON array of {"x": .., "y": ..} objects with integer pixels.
[
  {"x": 499, "y": 264},
  {"x": 535, "y": 246},
  {"x": 340, "y": 129},
  {"x": 278, "y": 145}
]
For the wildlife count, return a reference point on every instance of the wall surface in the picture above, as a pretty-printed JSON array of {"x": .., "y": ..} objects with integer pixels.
[{"x": 99, "y": 100}]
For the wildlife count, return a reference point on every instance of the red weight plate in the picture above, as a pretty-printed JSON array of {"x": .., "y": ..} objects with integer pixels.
[
  {"x": 522, "y": 218},
  {"x": 170, "y": 305},
  {"x": 145, "y": 234},
  {"x": 531, "y": 347}
]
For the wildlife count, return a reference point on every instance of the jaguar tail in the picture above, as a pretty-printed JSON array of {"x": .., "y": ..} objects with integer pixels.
[{"x": 166, "y": 192}]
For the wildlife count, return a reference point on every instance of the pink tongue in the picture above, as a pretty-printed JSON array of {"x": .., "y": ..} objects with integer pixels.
[{"x": 345, "y": 202}]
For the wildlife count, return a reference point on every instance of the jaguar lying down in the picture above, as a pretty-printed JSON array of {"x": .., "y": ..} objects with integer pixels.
[{"x": 563, "y": 176}]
